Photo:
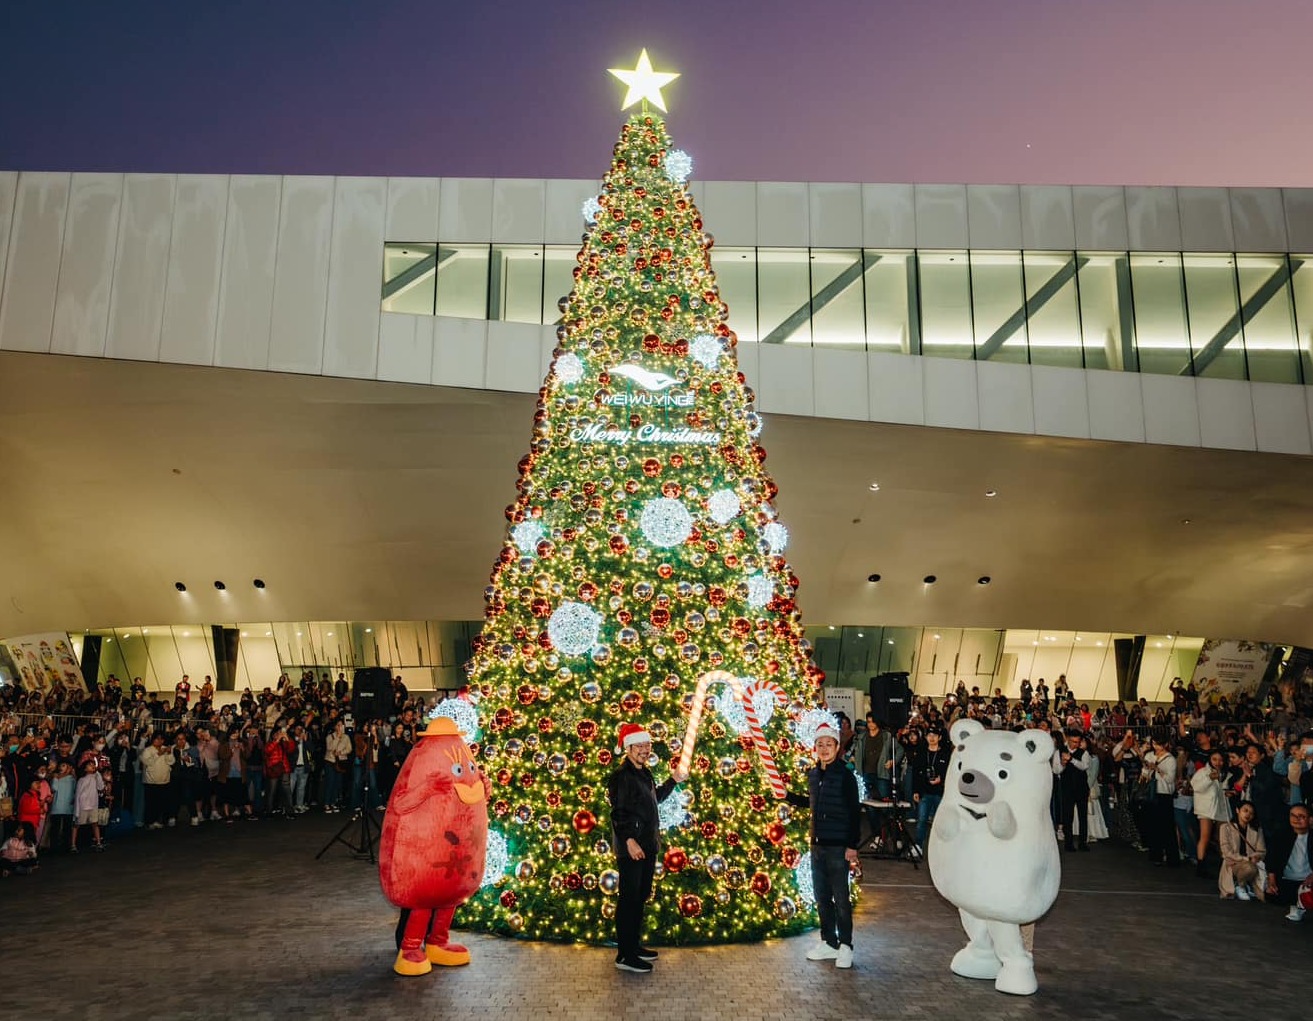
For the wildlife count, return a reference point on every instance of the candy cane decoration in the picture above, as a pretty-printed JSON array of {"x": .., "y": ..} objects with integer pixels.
[{"x": 749, "y": 711}]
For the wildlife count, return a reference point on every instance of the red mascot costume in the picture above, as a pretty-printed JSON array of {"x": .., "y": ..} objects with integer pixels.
[{"x": 435, "y": 837}]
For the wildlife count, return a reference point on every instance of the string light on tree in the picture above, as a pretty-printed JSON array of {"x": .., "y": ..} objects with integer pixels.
[
  {"x": 644, "y": 559},
  {"x": 498, "y": 858}
]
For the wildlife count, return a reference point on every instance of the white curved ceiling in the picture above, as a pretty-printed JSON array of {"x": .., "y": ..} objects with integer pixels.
[{"x": 366, "y": 500}]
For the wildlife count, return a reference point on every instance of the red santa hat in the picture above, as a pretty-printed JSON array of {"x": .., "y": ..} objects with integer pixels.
[
  {"x": 632, "y": 734},
  {"x": 826, "y": 730}
]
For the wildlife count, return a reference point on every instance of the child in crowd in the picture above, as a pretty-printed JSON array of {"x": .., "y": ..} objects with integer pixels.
[
  {"x": 87, "y": 806},
  {"x": 63, "y": 791},
  {"x": 19, "y": 852}
]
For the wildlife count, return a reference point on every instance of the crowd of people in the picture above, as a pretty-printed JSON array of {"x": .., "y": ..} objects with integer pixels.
[
  {"x": 129, "y": 758},
  {"x": 1223, "y": 788}
]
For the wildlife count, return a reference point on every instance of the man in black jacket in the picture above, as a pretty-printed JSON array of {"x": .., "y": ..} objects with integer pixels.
[
  {"x": 634, "y": 832},
  {"x": 1072, "y": 767},
  {"x": 835, "y": 832},
  {"x": 1288, "y": 862}
]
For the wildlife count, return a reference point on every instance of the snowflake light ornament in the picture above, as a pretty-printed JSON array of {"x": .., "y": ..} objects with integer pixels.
[
  {"x": 706, "y": 350},
  {"x": 569, "y": 368},
  {"x": 574, "y": 628},
  {"x": 591, "y": 208},
  {"x": 723, "y": 506},
  {"x": 499, "y": 857},
  {"x": 776, "y": 536},
  {"x": 760, "y": 591},
  {"x": 679, "y": 165},
  {"x": 673, "y": 812},
  {"x": 526, "y": 536},
  {"x": 462, "y": 713},
  {"x": 665, "y": 522}
]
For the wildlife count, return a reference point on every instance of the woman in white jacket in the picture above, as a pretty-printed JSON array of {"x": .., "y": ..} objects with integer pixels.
[{"x": 1210, "y": 805}]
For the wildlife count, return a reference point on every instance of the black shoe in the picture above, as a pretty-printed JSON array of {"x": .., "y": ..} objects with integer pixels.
[
  {"x": 647, "y": 954},
  {"x": 1083, "y": 847},
  {"x": 1069, "y": 847},
  {"x": 633, "y": 964}
]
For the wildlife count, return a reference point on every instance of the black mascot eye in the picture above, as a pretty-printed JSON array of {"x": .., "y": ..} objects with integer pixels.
[
  {"x": 1002, "y": 774},
  {"x": 959, "y": 767}
]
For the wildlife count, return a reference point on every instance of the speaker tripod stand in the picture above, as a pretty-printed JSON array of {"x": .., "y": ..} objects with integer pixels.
[
  {"x": 362, "y": 831},
  {"x": 891, "y": 838}
]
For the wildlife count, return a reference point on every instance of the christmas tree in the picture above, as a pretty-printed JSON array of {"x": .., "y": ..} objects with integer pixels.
[{"x": 642, "y": 554}]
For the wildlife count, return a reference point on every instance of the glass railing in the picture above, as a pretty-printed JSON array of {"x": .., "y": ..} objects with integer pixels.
[{"x": 1219, "y": 315}]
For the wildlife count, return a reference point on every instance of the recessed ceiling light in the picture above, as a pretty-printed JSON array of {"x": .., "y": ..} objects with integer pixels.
[
  {"x": 268, "y": 634},
  {"x": 1185, "y": 521},
  {"x": 330, "y": 634},
  {"x": 1098, "y": 643},
  {"x": 1169, "y": 638},
  {"x": 991, "y": 492},
  {"x": 298, "y": 634},
  {"x": 1078, "y": 638},
  {"x": 186, "y": 634},
  {"x": 873, "y": 577},
  {"x": 1034, "y": 643},
  {"x": 874, "y": 487},
  {"x": 145, "y": 631},
  {"x": 109, "y": 639},
  {"x": 370, "y": 630},
  {"x": 936, "y": 638},
  {"x": 860, "y": 634},
  {"x": 244, "y": 634},
  {"x": 891, "y": 641},
  {"x": 1157, "y": 645},
  {"x": 929, "y": 579},
  {"x": 831, "y": 627}
]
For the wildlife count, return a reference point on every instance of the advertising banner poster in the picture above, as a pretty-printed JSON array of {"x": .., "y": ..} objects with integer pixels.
[
  {"x": 1227, "y": 667},
  {"x": 44, "y": 660}
]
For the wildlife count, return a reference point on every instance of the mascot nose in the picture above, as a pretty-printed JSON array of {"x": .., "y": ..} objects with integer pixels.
[{"x": 976, "y": 786}]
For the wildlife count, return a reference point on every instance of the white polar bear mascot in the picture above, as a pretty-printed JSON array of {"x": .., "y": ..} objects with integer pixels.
[{"x": 993, "y": 851}]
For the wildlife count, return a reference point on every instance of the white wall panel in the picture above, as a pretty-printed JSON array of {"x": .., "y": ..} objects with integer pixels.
[
  {"x": 546, "y": 349},
  {"x": 951, "y": 398},
  {"x": 86, "y": 271},
  {"x": 729, "y": 211},
  {"x": 785, "y": 374},
  {"x": 1047, "y": 219},
  {"x": 749, "y": 359},
  {"x": 246, "y": 284},
  {"x": 1258, "y": 219},
  {"x": 888, "y": 216},
  {"x": 8, "y": 195},
  {"x": 1061, "y": 405},
  {"x": 1281, "y": 423},
  {"x": 355, "y": 277},
  {"x": 413, "y": 209},
  {"x": 782, "y": 214},
  {"x": 405, "y": 348},
  {"x": 1003, "y": 391},
  {"x": 305, "y": 230},
  {"x": 518, "y": 210},
  {"x": 941, "y": 216},
  {"x": 1299, "y": 218},
  {"x": 1205, "y": 220},
  {"x": 1153, "y": 219},
  {"x": 460, "y": 352},
  {"x": 896, "y": 387},
  {"x": 1100, "y": 215},
  {"x": 1171, "y": 410},
  {"x": 36, "y": 237},
  {"x": 564, "y": 218},
  {"x": 994, "y": 216},
  {"x": 141, "y": 267},
  {"x": 514, "y": 353},
  {"x": 836, "y": 215},
  {"x": 1116, "y": 405},
  {"x": 1226, "y": 414},
  {"x": 465, "y": 209},
  {"x": 839, "y": 384},
  {"x": 191, "y": 298}
]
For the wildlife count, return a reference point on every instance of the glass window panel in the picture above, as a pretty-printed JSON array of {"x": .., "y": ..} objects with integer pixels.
[
  {"x": 1301, "y": 286},
  {"x": 1052, "y": 309},
  {"x": 408, "y": 277},
  {"x": 1103, "y": 283},
  {"x": 1271, "y": 350},
  {"x": 783, "y": 296},
  {"x": 888, "y": 326},
  {"x": 837, "y": 306},
  {"x": 463, "y": 281},
  {"x": 998, "y": 308},
  {"x": 736, "y": 276},
  {"x": 1215, "y": 336},
  {"x": 1162, "y": 337},
  {"x": 517, "y": 283},
  {"x": 946, "y": 305},
  {"x": 558, "y": 279}
]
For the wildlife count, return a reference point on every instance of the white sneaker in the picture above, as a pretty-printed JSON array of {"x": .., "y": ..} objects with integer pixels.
[
  {"x": 156, "y": 826},
  {"x": 215, "y": 817},
  {"x": 823, "y": 952},
  {"x": 195, "y": 820},
  {"x": 173, "y": 823},
  {"x": 1242, "y": 893},
  {"x": 1295, "y": 914},
  {"x": 844, "y": 959}
]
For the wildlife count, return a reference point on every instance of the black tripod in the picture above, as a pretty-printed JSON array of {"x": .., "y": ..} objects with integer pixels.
[
  {"x": 896, "y": 841},
  {"x": 363, "y": 821}
]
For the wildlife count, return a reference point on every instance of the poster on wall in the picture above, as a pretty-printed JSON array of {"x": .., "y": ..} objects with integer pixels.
[
  {"x": 45, "y": 660},
  {"x": 844, "y": 700},
  {"x": 1228, "y": 667}
]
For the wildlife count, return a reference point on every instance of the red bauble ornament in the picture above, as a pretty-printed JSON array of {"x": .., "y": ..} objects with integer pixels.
[
  {"x": 588, "y": 592},
  {"x": 618, "y": 544},
  {"x": 579, "y": 757},
  {"x": 757, "y": 802},
  {"x": 503, "y": 777},
  {"x": 540, "y": 607},
  {"x": 632, "y": 701},
  {"x": 508, "y": 899},
  {"x": 640, "y": 665},
  {"x": 651, "y": 467},
  {"x": 574, "y": 881},
  {"x": 526, "y": 780},
  {"x": 586, "y": 729},
  {"x": 545, "y": 725},
  {"x": 660, "y": 618},
  {"x": 527, "y": 694},
  {"x": 584, "y": 821},
  {"x": 554, "y": 798},
  {"x": 760, "y": 884},
  {"x": 690, "y": 905},
  {"x": 665, "y": 571},
  {"x": 716, "y": 596},
  {"x": 732, "y": 839},
  {"x": 671, "y": 489},
  {"x": 775, "y": 832},
  {"x": 502, "y": 808},
  {"x": 708, "y": 830},
  {"x": 675, "y": 859},
  {"x": 502, "y": 718},
  {"x": 604, "y": 757}
]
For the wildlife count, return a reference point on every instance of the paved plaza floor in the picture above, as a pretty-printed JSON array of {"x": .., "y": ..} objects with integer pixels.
[{"x": 240, "y": 921}]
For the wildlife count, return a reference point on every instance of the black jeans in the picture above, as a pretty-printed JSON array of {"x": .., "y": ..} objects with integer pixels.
[
  {"x": 833, "y": 901},
  {"x": 1162, "y": 831},
  {"x": 157, "y": 802},
  {"x": 635, "y": 888},
  {"x": 1075, "y": 810}
]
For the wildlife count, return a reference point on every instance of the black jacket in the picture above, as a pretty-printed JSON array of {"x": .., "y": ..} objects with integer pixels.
[
  {"x": 927, "y": 764},
  {"x": 836, "y": 809},
  {"x": 1278, "y": 851},
  {"x": 634, "y": 796}
]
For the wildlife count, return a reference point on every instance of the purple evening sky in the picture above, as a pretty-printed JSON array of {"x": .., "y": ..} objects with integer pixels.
[{"x": 1065, "y": 91}]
